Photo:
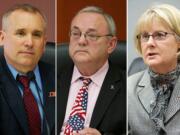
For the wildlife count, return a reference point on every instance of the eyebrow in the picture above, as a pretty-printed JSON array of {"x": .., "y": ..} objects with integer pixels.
[
  {"x": 36, "y": 30},
  {"x": 19, "y": 30},
  {"x": 154, "y": 31},
  {"x": 89, "y": 29}
]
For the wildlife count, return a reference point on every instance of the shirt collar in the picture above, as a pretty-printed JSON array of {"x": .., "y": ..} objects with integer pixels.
[
  {"x": 15, "y": 72},
  {"x": 96, "y": 78}
]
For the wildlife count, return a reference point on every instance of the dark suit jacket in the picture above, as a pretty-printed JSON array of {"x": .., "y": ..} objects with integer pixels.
[
  {"x": 109, "y": 115},
  {"x": 13, "y": 119}
]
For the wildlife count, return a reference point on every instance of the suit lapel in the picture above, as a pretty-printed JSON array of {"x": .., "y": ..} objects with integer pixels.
[
  {"x": 13, "y": 96},
  {"x": 145, "y": 92},
  {"x": 48, "y": 85},
  {"x": 146, "y": 95},
  {"x": 174, "y": 103},
  {"x": 63, "y": 86},
  {"x": 108, "y": 91}
]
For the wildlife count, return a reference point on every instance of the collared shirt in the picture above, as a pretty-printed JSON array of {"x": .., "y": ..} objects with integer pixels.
[
  {"x": 93, "y": 92},
  {"x": 32, "y": 87}
]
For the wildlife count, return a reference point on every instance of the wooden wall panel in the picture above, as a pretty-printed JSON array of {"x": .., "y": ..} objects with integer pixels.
[{"x": 66, "y": 9}]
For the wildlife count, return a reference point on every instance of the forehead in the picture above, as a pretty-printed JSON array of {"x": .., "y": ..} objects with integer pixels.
[
  {"x": 153, "y": 24},
  {"x": 23, "y": 19},
  {"x": 89, "y": 20}
]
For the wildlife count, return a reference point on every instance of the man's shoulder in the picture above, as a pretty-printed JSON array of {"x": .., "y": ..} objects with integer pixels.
[
  {"x": 116, "y": 69},
  {"x": 46, "y": 66},
  {"x": 116, "y": 75},
  {"x": 46, "y": 69}
]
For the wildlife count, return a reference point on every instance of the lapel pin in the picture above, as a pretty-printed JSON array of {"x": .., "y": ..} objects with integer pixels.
[
  {"x": 52, "y": 94},
  {"x": 112, "y": 87}
]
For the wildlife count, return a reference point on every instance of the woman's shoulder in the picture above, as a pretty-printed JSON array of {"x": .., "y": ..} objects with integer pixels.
[
  {"x": 135, "y": 77},
  {"x": 134, "y": 80}
]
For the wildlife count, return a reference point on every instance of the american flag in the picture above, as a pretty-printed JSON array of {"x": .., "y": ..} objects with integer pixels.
[{"x": 78, "y": 113}]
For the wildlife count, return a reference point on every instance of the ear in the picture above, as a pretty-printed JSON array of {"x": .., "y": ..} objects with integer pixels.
[
  {"x": 44, "y": 43},
  {"x": 2, "y": 35},
  {"x": 112, "y": 44}
]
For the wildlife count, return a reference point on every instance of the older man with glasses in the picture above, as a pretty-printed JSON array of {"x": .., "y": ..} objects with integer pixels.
[{"x": 91, "y": 93}]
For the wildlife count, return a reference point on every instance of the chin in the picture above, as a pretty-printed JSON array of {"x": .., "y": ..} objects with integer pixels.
[
  {"x": 80, "y": 58},
  {"x": 152, "y": 63},
  {"x": 81, "y": 61},
  {"x": 27, "y": 62}
]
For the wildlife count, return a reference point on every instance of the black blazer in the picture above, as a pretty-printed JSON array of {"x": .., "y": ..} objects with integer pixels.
[
  {"x": 13, "y": 119},
  {"x": 109, "y": 115}
]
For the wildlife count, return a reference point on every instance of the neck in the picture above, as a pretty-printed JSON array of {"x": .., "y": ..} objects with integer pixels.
[
  {"x": 164, "y": 69},
  {"x": 21, "y": 68},
  {"x": 89, "y": 69}
]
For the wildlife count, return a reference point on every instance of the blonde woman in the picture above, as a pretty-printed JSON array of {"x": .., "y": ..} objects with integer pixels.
[{"x": 154, "y": 94}]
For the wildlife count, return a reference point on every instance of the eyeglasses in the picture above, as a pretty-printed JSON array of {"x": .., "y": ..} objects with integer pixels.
[
  {"x": 157, "y": 36},
  {"x": 88, "y": 36}
]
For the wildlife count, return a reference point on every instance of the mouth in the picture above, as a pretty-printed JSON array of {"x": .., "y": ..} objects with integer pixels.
[
  {"x": 81, "y": 51},
  {"x": 27, "y": 52},
  {"x": 151, "y": 54}
]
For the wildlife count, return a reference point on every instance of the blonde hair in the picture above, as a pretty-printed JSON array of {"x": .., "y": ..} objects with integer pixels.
[{"x": 166, "y": 14}]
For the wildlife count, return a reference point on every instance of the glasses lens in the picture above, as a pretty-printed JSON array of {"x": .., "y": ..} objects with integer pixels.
[
  {"x": 75, "y": 34},
  {"x": 160, "y": 35},
  {"x": 144, "y": 37}
]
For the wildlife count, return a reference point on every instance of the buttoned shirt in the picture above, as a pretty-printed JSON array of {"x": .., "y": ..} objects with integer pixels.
[
  {"x": 93, "y": 92},
  {"x": 32, "y": 85}
]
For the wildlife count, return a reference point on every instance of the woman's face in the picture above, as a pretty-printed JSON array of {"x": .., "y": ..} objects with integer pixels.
[{"x": 159, "y": 47}]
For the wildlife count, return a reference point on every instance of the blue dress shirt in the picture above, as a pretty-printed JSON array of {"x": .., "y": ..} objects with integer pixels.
[{"x": 32, "y": 87}]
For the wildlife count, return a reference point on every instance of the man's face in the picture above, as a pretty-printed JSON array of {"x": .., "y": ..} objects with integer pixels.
[
  {"x": 23, "y": 39},
  {"x": 84, "y": 49}
]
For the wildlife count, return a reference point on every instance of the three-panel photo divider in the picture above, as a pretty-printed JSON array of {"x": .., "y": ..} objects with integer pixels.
[{"x": 90, "y": 67}]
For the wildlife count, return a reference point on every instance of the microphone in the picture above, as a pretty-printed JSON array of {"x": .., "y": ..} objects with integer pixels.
[{"x": 32, "y": 77}]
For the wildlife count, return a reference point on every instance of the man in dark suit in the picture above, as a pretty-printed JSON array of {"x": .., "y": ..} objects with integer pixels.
[
  {"x": 103, "y": 108},
  {"x": 27, "y": 103}
]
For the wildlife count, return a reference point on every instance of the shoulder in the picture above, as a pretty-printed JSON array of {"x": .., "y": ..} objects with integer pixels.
[
  {"x": 133, "y": 81},
  {"x": 136, "y": 77},
  {"x": 117, "y": 76},
  {"x": 45, "y": 64},
  {"x": 116, "y": 69},
  {"x": 46, "y": 70},
  {"x": 46, "y": 67}
]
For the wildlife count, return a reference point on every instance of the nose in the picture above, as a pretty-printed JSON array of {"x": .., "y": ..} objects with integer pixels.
[
  {"x": 82, "y": 40},
  {"x": 151, "y": 41},
  {"x": 29, "y": 41}
]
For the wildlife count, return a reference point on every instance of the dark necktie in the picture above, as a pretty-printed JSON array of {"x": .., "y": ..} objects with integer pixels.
[
  {"x": 31, "y": 107},
  {"x": 78, "y": 113}
]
